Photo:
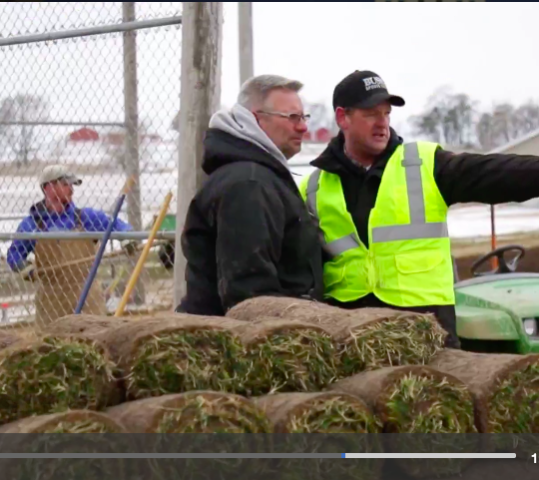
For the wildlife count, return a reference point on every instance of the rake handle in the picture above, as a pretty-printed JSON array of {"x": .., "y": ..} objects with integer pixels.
[{"x": 93, "y": 272}]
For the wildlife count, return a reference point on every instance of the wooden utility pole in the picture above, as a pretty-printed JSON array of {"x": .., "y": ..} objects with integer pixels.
[
  {"x": 131, "y": 149},
  {"x": 245, "y": 26},
  {"x": 199, "y": 99}
]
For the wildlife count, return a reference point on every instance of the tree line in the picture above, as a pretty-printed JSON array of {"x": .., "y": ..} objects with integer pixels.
[
  {"x": 455, "y": 119},
  {"x": 451, "y": 118}
]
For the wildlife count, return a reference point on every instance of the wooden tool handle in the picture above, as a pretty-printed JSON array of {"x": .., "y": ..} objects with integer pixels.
[{"x": 142, "y": 258}]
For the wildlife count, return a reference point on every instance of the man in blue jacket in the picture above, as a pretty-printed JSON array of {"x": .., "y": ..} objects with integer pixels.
[
  {"x": 57, "y": 212},
  {"x": 61, "y": 266}
]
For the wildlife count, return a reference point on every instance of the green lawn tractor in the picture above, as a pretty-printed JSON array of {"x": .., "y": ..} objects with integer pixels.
[
  {"x": 166, "y": 250},
  {"x": 498, "y": 310}
]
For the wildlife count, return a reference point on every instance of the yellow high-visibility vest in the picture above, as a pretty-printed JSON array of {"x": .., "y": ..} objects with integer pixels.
[{"x": 408, "y": 262}]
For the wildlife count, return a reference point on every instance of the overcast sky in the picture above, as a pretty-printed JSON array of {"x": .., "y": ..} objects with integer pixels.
[{"x": 487, "y": 50}]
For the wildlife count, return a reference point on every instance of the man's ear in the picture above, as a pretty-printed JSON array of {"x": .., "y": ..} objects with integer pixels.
[
  {"x": 340, "y": 117},
  {"x": 256, "y": 118}
]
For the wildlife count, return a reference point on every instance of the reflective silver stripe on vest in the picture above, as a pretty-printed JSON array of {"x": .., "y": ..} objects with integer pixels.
[
  {"x": 336, "y": 247},
  {"x": 415, "y": 230},
  {"x": 312, "y": 189},
  {"x": 418, "y": 227},
  {"x": 412, "y": 164},
  {"x": 341, "y": 245},
  {"x": 409, "y": 232}
]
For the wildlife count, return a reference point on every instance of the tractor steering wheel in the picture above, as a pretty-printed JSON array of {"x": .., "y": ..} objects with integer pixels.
[{"x": 503, "y": 265}]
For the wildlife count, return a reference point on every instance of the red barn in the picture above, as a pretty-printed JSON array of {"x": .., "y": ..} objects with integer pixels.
[{"x": 84, "y": 135}]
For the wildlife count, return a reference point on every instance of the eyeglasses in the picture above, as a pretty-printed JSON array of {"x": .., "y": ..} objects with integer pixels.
[{"x": 293, "y": 117}]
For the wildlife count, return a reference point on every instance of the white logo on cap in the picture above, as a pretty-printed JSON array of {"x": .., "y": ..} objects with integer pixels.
[{"x": 373, "y": 82}]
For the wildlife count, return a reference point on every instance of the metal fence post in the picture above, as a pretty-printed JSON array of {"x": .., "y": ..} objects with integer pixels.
[
  {"x": 132, "y": 162},
  {"x": 245, "y": 27}
]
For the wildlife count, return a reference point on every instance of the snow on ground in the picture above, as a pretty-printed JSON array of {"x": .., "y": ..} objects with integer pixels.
[
  {"x": 100, "y": 191},
  {"x": 475, "y": 221}
]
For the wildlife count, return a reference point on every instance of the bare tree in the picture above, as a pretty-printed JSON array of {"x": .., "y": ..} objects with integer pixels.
[
  {"x": 15, "y": 114},
  {"x": 485, "y": 131},
  {"x": 462, "y": 115},
  {"x": 454, "y": 119},
  {"x": 502, "y": 118},
  {"x": 506, "y": 123},
  {"x": 448, "y": 118},
  {"x": 526, "y": 117},
  {"x": 428, "y": 124}
]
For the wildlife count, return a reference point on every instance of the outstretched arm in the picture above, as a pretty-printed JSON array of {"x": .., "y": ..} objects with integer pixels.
[{"x": 491, "y": 178}]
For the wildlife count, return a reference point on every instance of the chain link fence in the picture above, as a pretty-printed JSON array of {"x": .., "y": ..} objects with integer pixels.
[{"x": 94, "y": 87}]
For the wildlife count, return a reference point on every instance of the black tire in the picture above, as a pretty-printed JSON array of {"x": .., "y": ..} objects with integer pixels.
[{"x": 166, "y": 255}]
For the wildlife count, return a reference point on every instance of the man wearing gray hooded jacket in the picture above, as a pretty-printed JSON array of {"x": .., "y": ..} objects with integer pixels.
[{"x": 247, "y": 231}]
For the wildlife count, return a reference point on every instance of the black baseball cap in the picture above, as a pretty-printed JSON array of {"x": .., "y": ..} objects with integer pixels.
[{"x": 363, "y": 89}]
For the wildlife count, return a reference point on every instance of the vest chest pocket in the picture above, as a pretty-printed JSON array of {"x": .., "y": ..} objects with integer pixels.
[{"x": 423, "y": 277}]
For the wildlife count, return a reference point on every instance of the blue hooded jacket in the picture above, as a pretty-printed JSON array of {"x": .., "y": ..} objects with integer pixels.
[{"x": 91, "y": 220}]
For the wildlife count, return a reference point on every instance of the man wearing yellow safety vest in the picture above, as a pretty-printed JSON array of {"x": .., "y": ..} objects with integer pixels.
[{"x": 381, "y": 205}]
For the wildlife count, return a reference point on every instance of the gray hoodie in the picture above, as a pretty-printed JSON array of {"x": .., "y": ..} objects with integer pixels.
[{"x": 241, "y": 123}]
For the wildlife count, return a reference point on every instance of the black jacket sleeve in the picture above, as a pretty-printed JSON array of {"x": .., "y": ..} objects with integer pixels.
[
  {"x": 250, "y": 225},
  {"x": 490, "y": 179}
]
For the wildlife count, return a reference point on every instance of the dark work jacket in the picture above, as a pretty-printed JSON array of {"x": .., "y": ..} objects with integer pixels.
[{"x": 248, "y": 232}]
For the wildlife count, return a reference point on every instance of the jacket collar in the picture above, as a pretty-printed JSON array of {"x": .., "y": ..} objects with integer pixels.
[
  {"x": 334, "y": 160},
  {"x": 39, "y": 209}
]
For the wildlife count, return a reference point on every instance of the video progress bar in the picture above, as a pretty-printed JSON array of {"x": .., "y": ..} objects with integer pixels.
[
  {"x": 168, "y": 455},
  {"x": 253, "y": 455},
  {"x": 430, "y": 455}
]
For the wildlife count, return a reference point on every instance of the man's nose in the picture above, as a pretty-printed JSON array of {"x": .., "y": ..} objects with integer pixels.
[
  {"x": 301, "y": 126},
  {"x": 382, "y": 121}
]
